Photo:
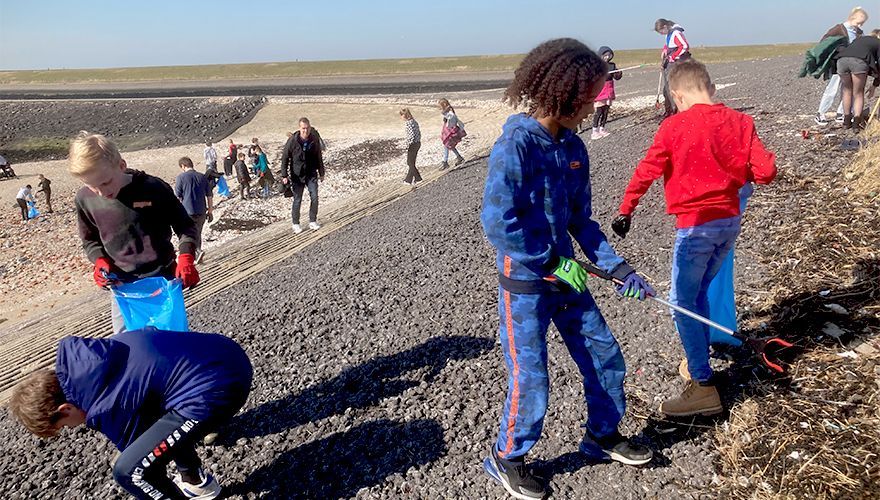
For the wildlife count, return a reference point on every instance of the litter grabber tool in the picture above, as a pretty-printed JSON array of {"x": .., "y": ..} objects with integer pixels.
[
  {"x": 760, "y": 345},
  {"x": 626, "y": 69},
  {"x": 659, "y": 89}
]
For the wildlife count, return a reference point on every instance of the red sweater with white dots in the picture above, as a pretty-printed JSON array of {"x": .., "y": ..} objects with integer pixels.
[{"x": 705, "y": 155}]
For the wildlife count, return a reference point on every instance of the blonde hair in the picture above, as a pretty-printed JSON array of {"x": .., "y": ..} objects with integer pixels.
[
  {"x": 857, "y": 11},
  {"x": 35, "y": 401},
  {"x": 405, "y": 112},
  {"x": 87, "y": 151},
  {"x": 689, "y": 75}
]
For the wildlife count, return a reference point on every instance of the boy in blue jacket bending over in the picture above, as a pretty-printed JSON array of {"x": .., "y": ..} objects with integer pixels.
[
  {"x": 153, "y": 393},
  {"x": 537, "y": 199}
]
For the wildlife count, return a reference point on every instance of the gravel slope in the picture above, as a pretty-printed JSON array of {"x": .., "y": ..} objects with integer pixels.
[{"x": 377, "y": 369}]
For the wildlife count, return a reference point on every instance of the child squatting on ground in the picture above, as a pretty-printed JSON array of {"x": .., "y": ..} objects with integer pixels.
[
  {"x": 705, "y": 154},
  {"x": 125, "y": 218},
  {"x": 153, "y": 393},
  {"x": 537, "y": 200}
]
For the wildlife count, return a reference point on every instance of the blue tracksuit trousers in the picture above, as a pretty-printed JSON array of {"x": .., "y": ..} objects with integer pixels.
[{"x": 524, "y": 322}]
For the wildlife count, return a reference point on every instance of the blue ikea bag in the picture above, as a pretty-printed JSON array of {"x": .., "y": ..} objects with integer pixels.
[
  {"x": 32, "y": 210},
  {"x": 153, "y": 302},
  {"x": 223, "y": 188}
]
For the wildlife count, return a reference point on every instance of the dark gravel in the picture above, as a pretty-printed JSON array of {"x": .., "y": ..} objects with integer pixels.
[
  {"x": 377, "y": 369},
  {"x": 38, "y": 130}
]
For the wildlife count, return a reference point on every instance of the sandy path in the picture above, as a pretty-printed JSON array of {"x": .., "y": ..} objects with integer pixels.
[{"x": 42, "y": 266}]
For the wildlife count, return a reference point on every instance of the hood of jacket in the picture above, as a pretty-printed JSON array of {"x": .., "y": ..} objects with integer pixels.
[
  {"x": 522, "y": 123},
  {"x": 86, "y": 366},
  {"x": 606, "y": 50}
]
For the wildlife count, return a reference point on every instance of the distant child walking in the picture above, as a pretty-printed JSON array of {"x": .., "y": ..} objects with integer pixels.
[
  {"x": 244, "y": 177},
  {"x": 705, "y": 154},
  {"x": 606, "y": 96},
  {"x": 125, "y": 218},
  {"x": 536, "y": 202},
  {"x": 675, "y": 49},
  {"x": 413, "y": 143},
  {"x": 451, "y": 134},
  {"x": 210, "y": 156},
  {"x": 153, "y": 393},
  {"x": 265, "y": 174}
]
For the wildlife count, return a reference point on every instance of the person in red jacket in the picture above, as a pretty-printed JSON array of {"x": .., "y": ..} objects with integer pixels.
[{"x": 705, "y": 154}]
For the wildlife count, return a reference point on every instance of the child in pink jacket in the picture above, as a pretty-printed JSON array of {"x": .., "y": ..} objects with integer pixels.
[{"x": 605, "y": 97}]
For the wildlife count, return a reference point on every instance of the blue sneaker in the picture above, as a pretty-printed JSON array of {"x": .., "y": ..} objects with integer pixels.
[
  {"x": 615, "y": 447},
  {"x": 516, "y": 478}
]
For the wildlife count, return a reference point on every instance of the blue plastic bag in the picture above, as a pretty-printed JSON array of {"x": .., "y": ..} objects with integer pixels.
[
  {"x": 223, "y": 188},
  {"x": 152, "y": 302},
  {"x": 32, "y": 210}
]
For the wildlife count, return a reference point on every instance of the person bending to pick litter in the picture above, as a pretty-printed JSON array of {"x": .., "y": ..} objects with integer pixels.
[
  {"x": 675, "y": 49},
  {"x": 125, "y": 218},
  {"x": 153, "y": 393},
  {"x": 24, "y": 195},
  {"x": 537, "y": 200},
  {"x": 705, "y": 154}
]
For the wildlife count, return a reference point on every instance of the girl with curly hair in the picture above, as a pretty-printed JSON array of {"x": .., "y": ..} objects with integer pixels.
[{"x": 536, "y": 203}]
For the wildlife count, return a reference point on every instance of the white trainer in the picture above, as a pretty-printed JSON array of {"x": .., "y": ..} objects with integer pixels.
[
  {"x": 314, "y": 225},
  {"x": 208, "y": 489},
  {"x": 297, "y": 229}
]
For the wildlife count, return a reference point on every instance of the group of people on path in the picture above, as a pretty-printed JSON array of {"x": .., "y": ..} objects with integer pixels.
[
  {"x": 846, "y": 57},
  {"x": 451, "y": 134},
  {"x": 537, "y": 204}
]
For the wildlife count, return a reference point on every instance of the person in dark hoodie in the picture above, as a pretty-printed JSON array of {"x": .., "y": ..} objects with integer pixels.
[
  {"x": 302, "y": 166},
  {"x": 153, "y": 393},
  {"x": 606, "y": 96},
  {"x": 125, "y": 218},
  {"x": 536, "y": 202}
]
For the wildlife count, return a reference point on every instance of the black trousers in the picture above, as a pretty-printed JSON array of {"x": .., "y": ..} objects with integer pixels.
[
  {"x": 411, "y": 153},
  {"x": 600, "y": 117},
  {"x": 24, "y": 208}
]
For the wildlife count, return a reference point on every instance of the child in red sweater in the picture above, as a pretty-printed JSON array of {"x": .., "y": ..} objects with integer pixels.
[{"x": 705, "y": 154}]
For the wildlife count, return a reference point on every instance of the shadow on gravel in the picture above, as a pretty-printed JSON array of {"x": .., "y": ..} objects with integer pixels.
[
  {"x": 361, "y": 386},
  {"x": 343, "y": 463}
]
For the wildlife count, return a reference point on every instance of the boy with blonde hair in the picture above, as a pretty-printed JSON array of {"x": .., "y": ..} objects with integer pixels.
[
  {"x": 153, "y": 393},
  {"x": 125, "y": 218},
  {"x": 705, "y": 154}
]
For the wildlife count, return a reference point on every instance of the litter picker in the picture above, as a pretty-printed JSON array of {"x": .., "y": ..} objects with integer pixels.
[
  {"x": 759, "y": 345},
  {"x": 627, "y": 69},
  {"x": 659, "y": 89}
]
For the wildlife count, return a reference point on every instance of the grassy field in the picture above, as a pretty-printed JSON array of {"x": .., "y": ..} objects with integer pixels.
[{"x": 363, "y": 67}]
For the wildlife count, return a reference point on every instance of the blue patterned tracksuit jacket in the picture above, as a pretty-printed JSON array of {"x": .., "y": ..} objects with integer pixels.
[{"x": 537, "y": 198}]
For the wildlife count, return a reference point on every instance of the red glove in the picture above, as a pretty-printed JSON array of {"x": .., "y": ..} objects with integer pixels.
[
  {"x": 186, "y": 270},
  {"x": 103, "y": 277}
]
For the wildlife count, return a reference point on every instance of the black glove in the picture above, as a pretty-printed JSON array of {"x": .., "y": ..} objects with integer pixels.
[{"x": 621, "y": 225}]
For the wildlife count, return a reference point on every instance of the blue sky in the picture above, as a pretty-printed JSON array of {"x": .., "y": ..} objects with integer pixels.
[{"x": 43, "y": 34}]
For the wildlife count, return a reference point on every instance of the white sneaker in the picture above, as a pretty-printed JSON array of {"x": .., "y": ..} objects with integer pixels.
[
  {"x": 314, "y": 226},
  {"x": 297, "y": 229},
  {"x": 208, "y": 489},
  {"x": 603, "y": 133},
  {"x": 595, "y": 135}
]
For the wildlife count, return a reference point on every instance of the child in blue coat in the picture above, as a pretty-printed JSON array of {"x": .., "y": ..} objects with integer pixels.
[
  {"x": 153, "y": 393},
  {"x": 536, "y": 204}
]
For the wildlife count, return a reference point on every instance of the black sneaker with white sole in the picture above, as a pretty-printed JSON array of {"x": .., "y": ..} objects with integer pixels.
[
  {"x": 514, "y": 475},
  {"x": 839, "y": 118},
  {"x": 820, "y": 119},
  {"x": 615, "y": 447}
]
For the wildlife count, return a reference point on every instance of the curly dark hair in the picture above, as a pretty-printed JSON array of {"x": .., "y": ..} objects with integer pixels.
[{"x": 556, "y": 77}]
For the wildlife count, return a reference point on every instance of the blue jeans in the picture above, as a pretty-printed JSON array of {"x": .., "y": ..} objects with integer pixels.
[
  {"x": 722, "y": 302},
  {"x": 698, "y": 255},
  {"x": 524, "y": 322},
  {"x": 297, "y": 188},
  {"x": 446, "y": 154}
]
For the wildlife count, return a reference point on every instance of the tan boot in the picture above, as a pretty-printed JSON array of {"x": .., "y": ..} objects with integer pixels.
[
  {"x": 683, "y": 369},
  {"x": 695, "y": 400}
]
